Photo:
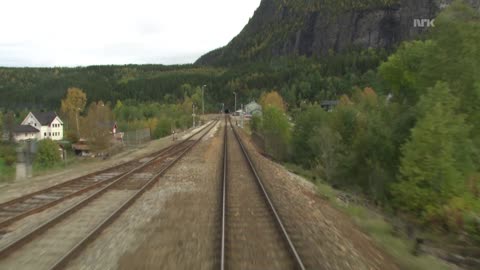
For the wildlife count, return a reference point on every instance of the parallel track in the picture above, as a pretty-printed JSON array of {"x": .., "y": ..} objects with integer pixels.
[
  {"x": 36, "y": 202},
  {"x": 79, "y": 225},
  {"x": 252, "y": 233}
]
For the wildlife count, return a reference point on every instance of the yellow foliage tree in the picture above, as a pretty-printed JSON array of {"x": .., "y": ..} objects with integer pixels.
[
  {"x": 97, "y": 125},
  {"x": 345, "y": 100},
  {"x": 273, "y": 99},
  {"x": 370, "y": 96},
  {"x": 71, "y": 106}
]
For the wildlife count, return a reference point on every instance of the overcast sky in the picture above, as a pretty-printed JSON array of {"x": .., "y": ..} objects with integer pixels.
[{"x": 99, "y": 32}]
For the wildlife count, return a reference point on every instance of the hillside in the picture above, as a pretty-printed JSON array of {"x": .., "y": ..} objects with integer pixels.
[
  {"x": 42, "y": 88},
  {"x": 316, "y": 28}
]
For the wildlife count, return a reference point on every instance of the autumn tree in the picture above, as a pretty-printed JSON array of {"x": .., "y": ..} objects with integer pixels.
[
  {"x": 72, "y": 105},
  {"x": 273, "y": 99},
  {"x": 97, "y": 125}
]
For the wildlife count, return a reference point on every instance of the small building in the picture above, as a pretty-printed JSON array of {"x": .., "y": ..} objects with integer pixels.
[
  {"x": 81, "y": 148},
  {"x": 253, "y": 108},
  {"x": 329, "y": 105},
  {"x": 25, "y": 132},
  {"x": 39, "y": 126}
]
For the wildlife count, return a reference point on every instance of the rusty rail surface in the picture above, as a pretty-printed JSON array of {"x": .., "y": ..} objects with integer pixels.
[
  {"x": 293, "y": 251},
  {"x": 224, "y": 197}
]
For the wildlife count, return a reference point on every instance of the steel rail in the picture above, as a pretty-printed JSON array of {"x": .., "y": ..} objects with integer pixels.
[
  {"x": 82, "y": 190},
  {"x": 72, "y": 253},
  {"x": 298, "y": 261},
  {"x": 224, "y": 196},
  {"x": 17, "y": 243}
]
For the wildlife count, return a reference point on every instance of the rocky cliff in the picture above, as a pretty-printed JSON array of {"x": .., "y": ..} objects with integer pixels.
[{"x": 292, "y": 27}]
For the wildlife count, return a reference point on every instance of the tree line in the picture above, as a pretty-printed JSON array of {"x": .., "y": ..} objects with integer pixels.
[{"x": 412, "y": 142}]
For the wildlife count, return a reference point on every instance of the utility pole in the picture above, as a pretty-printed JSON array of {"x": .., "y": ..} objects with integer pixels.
[
  {"x": 241, "y": 117},
  {"x": 193, "y": 115},
  {"x": 235, "y": 111},
  {"x": 203, "y": 99},
  {"x": 78, "y": 126}
]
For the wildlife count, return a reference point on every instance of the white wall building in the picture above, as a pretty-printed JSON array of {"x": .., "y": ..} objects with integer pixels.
[
  {"x": 253, "y": 108},
  {"x": 39, "y": 126}
]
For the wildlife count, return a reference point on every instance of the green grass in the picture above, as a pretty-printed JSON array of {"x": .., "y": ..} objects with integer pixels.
[
  {"x": 373, "y": 224},
  {"x": 72, "y": 160},
  {"x": 382, "y": 232},
  {"x": 6, "y": 172}
]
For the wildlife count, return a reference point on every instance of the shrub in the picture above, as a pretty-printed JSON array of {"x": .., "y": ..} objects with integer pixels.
[
  {"x": 8, "y": 154},
  {"x": 277, "y": 132},
  {"x": 47, "y": 153},
  {"x": 256, "y": 123},
  {"x": 163, "y": 128}
]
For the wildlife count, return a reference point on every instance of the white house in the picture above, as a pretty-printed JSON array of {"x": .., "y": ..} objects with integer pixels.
[
  {"x": 39, "y": 126},
  {"x": 253, "y": 108}
]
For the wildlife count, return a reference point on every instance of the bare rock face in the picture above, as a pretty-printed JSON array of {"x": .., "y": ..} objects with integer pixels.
[
  {"x": 375, "y": 28},
  {"x": 277, "y": 29}
]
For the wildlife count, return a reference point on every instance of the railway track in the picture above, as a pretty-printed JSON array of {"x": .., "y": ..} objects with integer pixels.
[
  {"x": 36, "y": 202},
  {"x": 54, "y": 243},
  {"x": 252, "y": 233}
]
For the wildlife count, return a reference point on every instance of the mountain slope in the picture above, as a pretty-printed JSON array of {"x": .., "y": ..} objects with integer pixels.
[{"x": 317, "y": 27}]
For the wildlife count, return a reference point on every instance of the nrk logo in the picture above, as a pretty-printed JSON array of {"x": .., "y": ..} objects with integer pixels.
[{"x": 423, "y": 23}]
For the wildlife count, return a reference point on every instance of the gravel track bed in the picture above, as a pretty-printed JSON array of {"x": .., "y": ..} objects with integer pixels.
[
  {"x": 324, "y": 237},
  {"x": 172, "y": 226},
  {"x": 11, "y": 190},
  {"x": 26, "y": 224},
  {"x": 253, "y": 240},
  {"x": 47, "y": 248}
]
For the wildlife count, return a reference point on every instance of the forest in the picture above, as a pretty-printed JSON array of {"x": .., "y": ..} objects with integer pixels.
[{"x": 409, "y": 140}]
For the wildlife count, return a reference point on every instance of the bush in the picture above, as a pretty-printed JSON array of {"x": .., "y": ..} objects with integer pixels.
[
  {"x": 163, "y": 128},
  {"x": 277, "y": 132},
  {"x": 47, "y": 154},
  {"x": 8, "y": 154},
  {"x": 256, "y": 123}
]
